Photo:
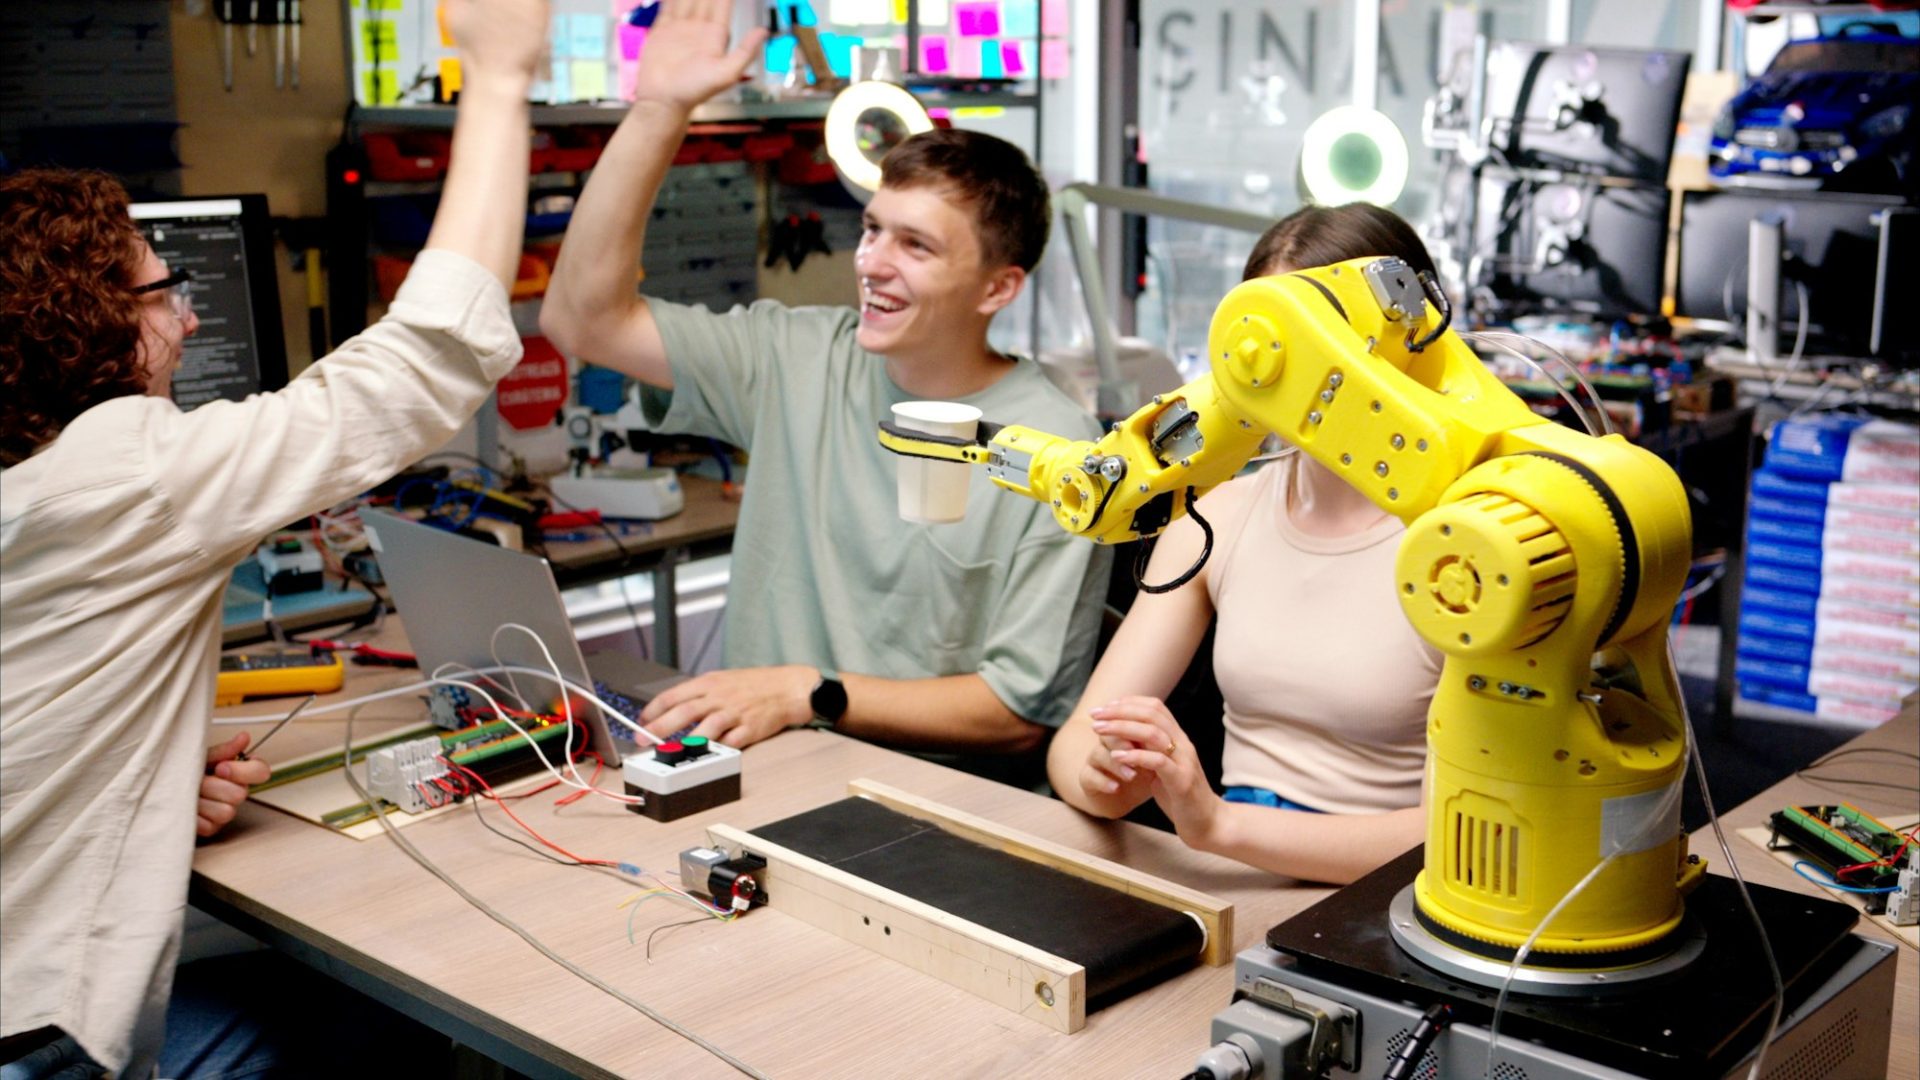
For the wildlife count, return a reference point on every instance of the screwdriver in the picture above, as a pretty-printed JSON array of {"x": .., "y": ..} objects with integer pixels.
[{"x": 284, "y": 721}]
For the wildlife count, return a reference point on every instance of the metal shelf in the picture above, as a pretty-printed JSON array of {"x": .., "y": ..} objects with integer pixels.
[{"x": 713, "y": 112}]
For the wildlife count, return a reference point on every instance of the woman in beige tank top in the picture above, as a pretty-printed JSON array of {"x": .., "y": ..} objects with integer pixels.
[{"x": 1325, "y": 685}]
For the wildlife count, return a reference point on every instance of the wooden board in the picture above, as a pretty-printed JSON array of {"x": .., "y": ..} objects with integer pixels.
[
  {"x": 1215, "y": 915},
  {"x": 1760, "y": 835},
  {"x": 1038, "y": 985}
]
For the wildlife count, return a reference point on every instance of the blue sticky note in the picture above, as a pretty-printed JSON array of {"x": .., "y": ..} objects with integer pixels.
[
  {"x": 839, "y": 50},
  {"x": 558, "y": 39},
  {"x": 779, "y": 59},
  {"x": 562, "y": 82},
  {"x": 992, "y": 66},
  {"x": 1020, "y": 18},
  {"x": 589, "y": 37}
]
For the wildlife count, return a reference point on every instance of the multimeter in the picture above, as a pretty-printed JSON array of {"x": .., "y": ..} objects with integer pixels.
[{"x": 245, "y": 675}]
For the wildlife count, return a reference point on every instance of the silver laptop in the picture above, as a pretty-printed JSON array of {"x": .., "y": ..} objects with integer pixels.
[{"x": 453, "y": 591}]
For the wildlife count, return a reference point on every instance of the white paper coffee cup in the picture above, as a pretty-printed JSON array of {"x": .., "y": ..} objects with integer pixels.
[{"x": 934, "y": 492}]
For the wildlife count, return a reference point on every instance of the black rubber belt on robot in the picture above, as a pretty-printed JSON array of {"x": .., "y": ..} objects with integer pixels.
[
  {"x": 1629, "y": 543},
  {"x": 1612, "y": 958},
  {"x": 1328, "y": 293}
]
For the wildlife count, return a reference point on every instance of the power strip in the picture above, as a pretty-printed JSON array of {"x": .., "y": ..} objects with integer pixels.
[{"x": 681, "y": 777}]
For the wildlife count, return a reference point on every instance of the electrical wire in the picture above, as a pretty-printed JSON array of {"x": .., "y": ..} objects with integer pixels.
[
  {"x": 1501, "y": 340},
  {"x": 1669, "y": 808},
  {"x": 1827, "y": 881},
  {"x": 1146, "y": 550},
  {"x": 527, "y": 936}
]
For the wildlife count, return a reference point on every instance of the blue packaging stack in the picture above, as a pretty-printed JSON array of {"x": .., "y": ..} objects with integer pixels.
[{"x": 1830, "y": 608}]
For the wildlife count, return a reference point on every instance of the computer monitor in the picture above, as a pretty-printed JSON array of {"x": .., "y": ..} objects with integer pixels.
[
  {"x": 1608, "y": 112},
  {"x": 226, "y": 242},
  {"x": 1572, "y": 245},
  {"x": 1832, "y": 244}
]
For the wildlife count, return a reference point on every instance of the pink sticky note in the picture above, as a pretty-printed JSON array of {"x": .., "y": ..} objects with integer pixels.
[
  {"x": 1012, "y": 60},
  {"x": 933, "y": 55},
  {"x": 1053, "y": 59},
  {"x": 1053, "y": 18},
  {"x": 966, "y": 61},
  {"x": 631, "y": 38},
  {"x": 977, "y": 18},
  {"x": 629, "y": 80}
]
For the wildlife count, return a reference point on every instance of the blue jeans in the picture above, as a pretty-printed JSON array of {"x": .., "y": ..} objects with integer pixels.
[
  {"x": 1262, "y": 797},
  {"x": 61, "y": 1059}
]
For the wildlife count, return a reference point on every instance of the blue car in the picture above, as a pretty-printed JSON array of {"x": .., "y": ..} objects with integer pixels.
[{"x": 1832, "y": 112}]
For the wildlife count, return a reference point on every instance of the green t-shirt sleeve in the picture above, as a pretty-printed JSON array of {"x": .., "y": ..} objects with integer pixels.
[
  {"x": 1047, "y": 625},
  {"x": 722, "y": 365}
]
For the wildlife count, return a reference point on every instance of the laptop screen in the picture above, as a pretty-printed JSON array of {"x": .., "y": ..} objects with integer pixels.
[{"x": 454, "y": 593}]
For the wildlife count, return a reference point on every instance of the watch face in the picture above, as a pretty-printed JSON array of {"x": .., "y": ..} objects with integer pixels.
[{"x": 829, "y": 699}]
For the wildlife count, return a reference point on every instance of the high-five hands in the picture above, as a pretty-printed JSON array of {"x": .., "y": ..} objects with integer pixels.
[{"x": 686, "y": 59}]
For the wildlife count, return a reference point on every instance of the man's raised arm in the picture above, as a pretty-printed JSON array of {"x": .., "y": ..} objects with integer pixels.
[{"x": 592, "y": 309}]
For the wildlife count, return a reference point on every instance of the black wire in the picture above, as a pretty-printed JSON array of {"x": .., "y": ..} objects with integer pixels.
[
  {"x": 1439, "y": 297},
  {"x": 626, "y": 565},
  {"x": 1146, "y": 550},
  {"x": 1419, "y": 1040},
  {"x": 1847, "y": 750}
]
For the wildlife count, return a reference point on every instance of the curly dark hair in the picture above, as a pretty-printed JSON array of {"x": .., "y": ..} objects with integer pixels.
[
  {"x": 69, "y": 320},
  {"x": 992, "y": 177}
]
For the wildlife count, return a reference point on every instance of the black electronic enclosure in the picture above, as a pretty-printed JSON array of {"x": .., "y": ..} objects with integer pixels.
[
  {"x": 1571, "y": 245},
  {"x": 1833, "y": 262},
  {"x": 226, "y": 243},
  {"x": 1607, "y": 112}
]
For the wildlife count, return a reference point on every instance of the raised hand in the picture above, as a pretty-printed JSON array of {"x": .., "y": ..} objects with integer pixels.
[{"x": 686, "y": 60}]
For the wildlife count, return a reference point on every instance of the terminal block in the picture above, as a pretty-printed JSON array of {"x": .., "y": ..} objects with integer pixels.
[
  {"x": 400, "y": 773},
  {"x": 1903, "y": 906},
  {"x": 682, "y": 776}
]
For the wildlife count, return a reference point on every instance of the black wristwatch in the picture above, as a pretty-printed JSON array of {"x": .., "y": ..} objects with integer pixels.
[{"x": 828, "y": 702}]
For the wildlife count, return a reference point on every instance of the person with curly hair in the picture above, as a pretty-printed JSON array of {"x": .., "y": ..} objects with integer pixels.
[{"x": 121, "y": 517}]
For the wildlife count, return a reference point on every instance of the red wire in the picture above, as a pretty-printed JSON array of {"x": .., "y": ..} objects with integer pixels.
[
  {"x": 1888, "y": 860},
  {"x": 474, "y": 777}
]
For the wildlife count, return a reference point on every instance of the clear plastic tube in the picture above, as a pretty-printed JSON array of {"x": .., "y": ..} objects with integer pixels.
[{"x": 1585, "y": 415}]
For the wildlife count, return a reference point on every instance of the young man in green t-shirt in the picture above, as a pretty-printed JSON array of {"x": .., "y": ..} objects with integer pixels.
[{"x": 973, "y": 637}]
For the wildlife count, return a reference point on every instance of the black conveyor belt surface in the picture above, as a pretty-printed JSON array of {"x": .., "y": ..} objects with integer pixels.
[{"x": 1124, "y": 942}]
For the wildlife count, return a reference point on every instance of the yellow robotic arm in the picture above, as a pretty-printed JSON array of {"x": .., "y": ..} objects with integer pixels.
[{"x": 1542, "y": 561}]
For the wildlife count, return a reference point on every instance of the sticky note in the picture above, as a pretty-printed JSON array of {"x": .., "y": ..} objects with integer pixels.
[
  {"x": 559, "y": 40},
  {"x": 562, "y": 82},
  {"x": 588, "y": 34},
  {"x": 1053, "y": 59},
  {"x": 631, "y": 39},
  {"x": 1020, "y": 18},
  {"x": 839, "y": 50},
  {"x": 382, "y": 87},
  {"x": 932, "y": 12},
  {"x": 779, "y": 58},
  {"x": 386, "y": 5},
  {"x": 440, "y": 20},
  {"x": 1013, "y": 58},
  {"x": 589, "y": 80},
  {"x": 990, "y": 64},
  {"x": 634, "y": 13},
  {"x": 966, "y": 59},
  {"x": 380, "y": 41},
  {"x": 861, "y": 12},
  {"x": 1053, "y": 18},
  {"x": 933, "y": 55},
  {"x": 977, "y": 18},
  {"x": 449, "y": 77}
]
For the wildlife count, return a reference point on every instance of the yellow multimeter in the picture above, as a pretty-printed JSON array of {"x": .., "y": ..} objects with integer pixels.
[{"x": 245, "y": 676}]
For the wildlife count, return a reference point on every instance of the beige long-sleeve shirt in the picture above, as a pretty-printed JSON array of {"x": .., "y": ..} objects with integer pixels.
[{"x": 116, "y": 540}]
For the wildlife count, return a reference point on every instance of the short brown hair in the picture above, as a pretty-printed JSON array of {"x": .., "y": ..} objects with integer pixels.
[
  {"x": 69, "y": 320},
  {"x": 1322, "y": 235},
  {"x": 992, "y": 176}
]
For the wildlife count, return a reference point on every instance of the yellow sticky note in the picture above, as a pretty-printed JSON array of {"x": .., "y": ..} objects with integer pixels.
[
  {"x": 899, "y": 11},
  {"x": 383, "y": 87},
  {"x": 589, "y": 80},
  {"x": 449, "y": 77},
  {"x": 440, "y": 17},
  {"x": 380, "y": 41},
  {"x": 386, "y": 5}
]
